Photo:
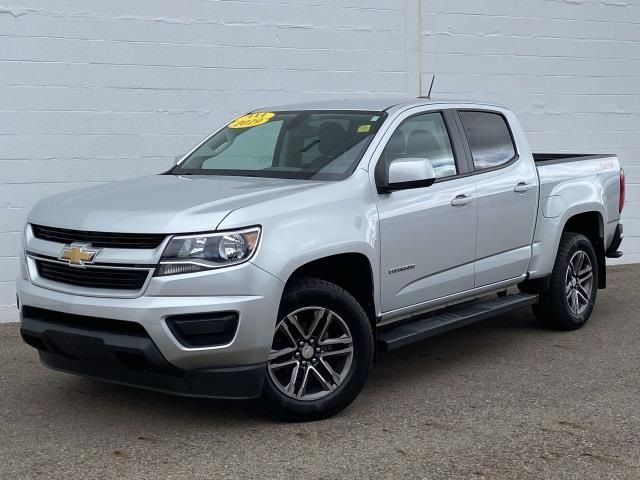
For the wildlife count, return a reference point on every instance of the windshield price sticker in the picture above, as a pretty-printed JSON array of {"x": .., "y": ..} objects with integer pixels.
[
  {"x": 251, "y": 120},
  {"x": 364, "y": 128}
]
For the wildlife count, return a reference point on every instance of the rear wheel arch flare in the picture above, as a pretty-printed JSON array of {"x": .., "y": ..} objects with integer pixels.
[{"x": 591, "y": 225}]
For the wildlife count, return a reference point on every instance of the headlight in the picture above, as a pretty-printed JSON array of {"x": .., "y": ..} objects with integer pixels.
[{"x": 195, "y": 253}]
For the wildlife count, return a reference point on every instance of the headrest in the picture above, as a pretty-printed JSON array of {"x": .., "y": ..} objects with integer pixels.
[
  {"x": 422, "y": 143},
  {"x": 331, "y": 134}
]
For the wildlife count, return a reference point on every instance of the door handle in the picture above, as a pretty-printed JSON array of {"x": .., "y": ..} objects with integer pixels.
[
  {"x": 522, "y": 187},
  {"x": 461, "y": 200}
]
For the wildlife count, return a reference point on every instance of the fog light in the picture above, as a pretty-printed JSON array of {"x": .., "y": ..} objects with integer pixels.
[{"x": 204, "y": 329}]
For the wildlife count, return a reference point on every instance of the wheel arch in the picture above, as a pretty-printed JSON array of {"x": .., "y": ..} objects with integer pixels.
[
  {"x": 352, "y": 271},
  {"x": 591, "y": 225},
  {"x": 587, "y": 220}
]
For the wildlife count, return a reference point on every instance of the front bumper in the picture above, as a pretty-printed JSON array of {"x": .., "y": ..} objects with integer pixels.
[
  {"x": 133, "y": 359},
  {"x": 172, "y": 366}
]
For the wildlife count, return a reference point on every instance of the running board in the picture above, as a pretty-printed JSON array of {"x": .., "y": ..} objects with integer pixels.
[{"x": 417, "y": 330}]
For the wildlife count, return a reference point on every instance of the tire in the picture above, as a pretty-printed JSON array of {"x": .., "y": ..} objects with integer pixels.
[
  {"x": 568, "y": 302},
  {"x": 314, "y": 303}
]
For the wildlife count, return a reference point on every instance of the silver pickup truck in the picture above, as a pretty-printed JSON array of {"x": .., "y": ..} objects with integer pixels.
[{"x": 281, "y": 253}]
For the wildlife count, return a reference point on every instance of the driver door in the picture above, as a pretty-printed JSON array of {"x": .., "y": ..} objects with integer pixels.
[{"x": 427, "y": 235}]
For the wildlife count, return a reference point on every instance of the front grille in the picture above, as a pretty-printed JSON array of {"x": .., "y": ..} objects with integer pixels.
[
  {"x": 99, "y": 239},
  {"x": 91, "y": 277}
]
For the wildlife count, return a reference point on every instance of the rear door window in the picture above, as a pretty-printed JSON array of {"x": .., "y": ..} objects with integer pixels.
[{"x": 489, "y": 138}]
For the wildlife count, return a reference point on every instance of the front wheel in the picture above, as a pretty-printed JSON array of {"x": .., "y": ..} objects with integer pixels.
[
  {"x": 569, "y": 300},
  {"x": 321, "y": 352}
]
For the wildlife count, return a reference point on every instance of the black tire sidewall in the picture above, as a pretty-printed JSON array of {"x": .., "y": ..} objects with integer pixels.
[
  {"x": 555, "y": 302},
  {"x": 311, "y": 292}
]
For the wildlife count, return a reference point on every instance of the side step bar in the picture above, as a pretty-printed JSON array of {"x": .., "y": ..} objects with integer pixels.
[{"x": 430, "y": 326}]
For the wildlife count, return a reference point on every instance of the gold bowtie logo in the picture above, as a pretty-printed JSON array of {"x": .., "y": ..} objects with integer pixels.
[{"x": 79, "y": 254}]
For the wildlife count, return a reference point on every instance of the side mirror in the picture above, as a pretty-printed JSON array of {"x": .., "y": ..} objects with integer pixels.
[{"x": 406, "y": 173}]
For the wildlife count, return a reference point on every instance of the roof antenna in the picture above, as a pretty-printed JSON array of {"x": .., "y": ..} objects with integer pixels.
[{"x": 433, "y": 79}]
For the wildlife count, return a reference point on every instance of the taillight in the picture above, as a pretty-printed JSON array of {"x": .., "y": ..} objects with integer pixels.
[{"x": 622, "y": 190}]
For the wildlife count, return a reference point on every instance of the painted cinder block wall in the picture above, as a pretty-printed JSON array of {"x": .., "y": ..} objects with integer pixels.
[
  {"x": 569, "y": 68},
  {"x": 94, "y": 91}
]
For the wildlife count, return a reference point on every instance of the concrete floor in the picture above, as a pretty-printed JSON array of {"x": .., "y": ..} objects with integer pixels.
[{"x": 500, "y": 399}]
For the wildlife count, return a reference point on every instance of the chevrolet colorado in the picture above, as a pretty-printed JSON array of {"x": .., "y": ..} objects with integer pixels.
[{"x": 276, "y": 257}]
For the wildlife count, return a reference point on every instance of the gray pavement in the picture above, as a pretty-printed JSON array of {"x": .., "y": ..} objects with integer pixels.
[{"x": 500, "y": 399}]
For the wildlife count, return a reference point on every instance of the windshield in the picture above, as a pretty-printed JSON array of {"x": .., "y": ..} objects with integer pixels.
[{"x": 310, "y": 145}]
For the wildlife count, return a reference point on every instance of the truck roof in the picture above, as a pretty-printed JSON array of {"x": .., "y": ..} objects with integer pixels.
[{"x": 369, "y": 104}]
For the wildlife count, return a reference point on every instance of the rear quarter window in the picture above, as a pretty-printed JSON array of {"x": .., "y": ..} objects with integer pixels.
[{"x": 489, "y": 138}]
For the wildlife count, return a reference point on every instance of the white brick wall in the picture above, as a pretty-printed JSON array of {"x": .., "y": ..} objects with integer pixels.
[
  {"x": 94, "y": 91},
  {"x": 569, "y": 68}
]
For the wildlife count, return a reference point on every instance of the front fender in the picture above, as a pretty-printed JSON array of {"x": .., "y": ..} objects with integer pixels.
[{"x": 336, "y": 218}]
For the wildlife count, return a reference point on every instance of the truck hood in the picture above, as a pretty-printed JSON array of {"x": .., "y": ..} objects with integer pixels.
[{"x": 160, "y": 204}]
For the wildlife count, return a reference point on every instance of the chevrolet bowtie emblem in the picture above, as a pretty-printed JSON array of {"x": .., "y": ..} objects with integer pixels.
[{"x": 79, "y": 254}]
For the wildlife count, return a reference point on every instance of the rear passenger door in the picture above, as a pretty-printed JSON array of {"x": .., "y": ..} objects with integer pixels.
[{"x": 507, "y": 197}]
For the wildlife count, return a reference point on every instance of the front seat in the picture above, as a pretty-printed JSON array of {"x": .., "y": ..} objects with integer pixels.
[
  {"x": 423, "y": 144},
  {"x": 395, "y": 148},
  {"x": 331, "y": 135}
]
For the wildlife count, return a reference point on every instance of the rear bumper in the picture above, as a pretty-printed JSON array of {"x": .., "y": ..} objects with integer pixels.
[
  {"x": 612, "y": 251},
  {"x": 133, "y": 359}
]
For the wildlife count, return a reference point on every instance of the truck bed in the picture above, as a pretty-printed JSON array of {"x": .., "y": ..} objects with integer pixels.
[
  {"x": 551, "y": 158},
  {"x": 567, "y": 180}
]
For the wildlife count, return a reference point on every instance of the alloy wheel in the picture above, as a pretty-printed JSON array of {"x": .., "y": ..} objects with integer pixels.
[
  {"x": 311, "y": 354},
  {"x": 579, "y": 282}
]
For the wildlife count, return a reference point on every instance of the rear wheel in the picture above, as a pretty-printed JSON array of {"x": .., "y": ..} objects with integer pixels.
[
  {"x": 571, "y": 295},
  {"x": 321, "y": 352}
]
